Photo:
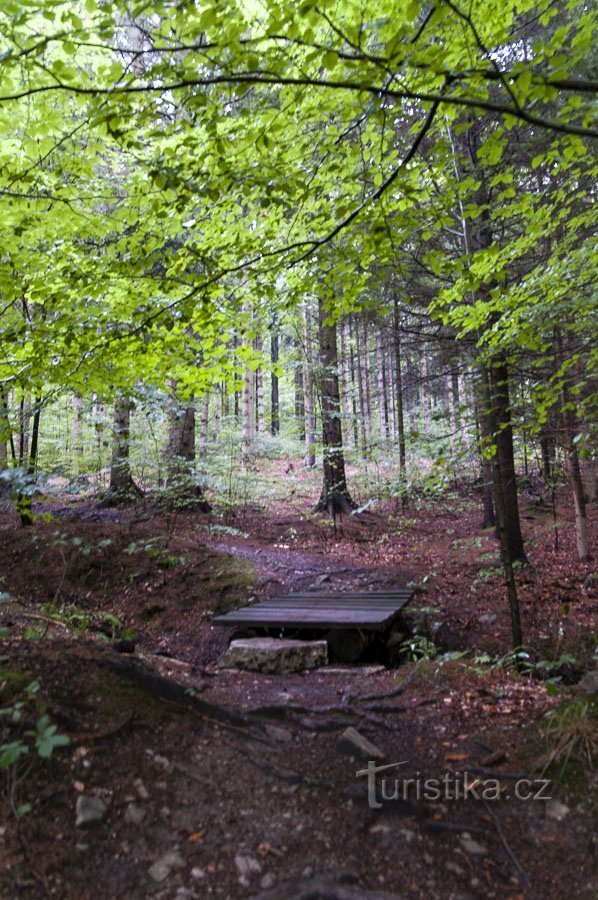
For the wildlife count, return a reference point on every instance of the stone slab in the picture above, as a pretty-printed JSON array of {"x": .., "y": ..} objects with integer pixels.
[{"x": 274, "y": 655}]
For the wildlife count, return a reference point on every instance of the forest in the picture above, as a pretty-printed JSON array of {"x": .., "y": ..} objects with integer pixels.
[{"x": 298, "y": 298}]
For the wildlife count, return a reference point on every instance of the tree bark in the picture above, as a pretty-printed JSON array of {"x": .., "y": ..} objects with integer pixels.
[
  {"x": 183, "y": 488},
  {"x": 308, "y": 389},
  {"x": 121, "y": 488},
  {"x": 77, "y": 433},
  {"x": 335, "y": 496},
  {"x": 571, "y": 429},
  {"x": 501, "y": 411},
  {"x": 399, "y": 397},
  {"x": 274, "y": 387}
]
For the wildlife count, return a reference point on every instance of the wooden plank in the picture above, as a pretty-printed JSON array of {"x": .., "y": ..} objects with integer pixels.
[{"x": 368, "y": 610}]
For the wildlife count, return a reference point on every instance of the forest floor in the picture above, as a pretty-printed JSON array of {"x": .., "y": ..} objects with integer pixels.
[{"x": 233, "y": 784}]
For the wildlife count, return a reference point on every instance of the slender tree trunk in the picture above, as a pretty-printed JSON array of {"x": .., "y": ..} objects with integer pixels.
[
  {"x": 260, "y": 403},
  {"x": 248, "y": 414},
  {"x": 183, "y": 488},
  {"x": 335, "y": 496},
  {"x": 121, "y": 488},
  {"x": 308, "y": 386},
  {"x": 352, "y": 368},
  {"x": 399, "y": 397},
  {"x": 482, "y": 415},
  {"x": 347, "y": 399},
  {"x": 77, "y": 433},
  {"x": 6, "y": 437},
  {"x": 501, "y": 409},
  {"x": 571, "y": 429},
  {"x": 426, "y": 383},
  {"x": 299, "y": 400},
  {"x": 501, "y": 518},
  {"x": 24, "y": 425},
  {"x": 382, "y": 387},
  {"x": 274, "y": 387},
  {"x": 204, "y": 425},
  {"x": 361, "y": 379}
]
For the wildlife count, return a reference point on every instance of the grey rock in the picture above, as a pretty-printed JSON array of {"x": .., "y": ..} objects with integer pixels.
[
  {"x": 355, "y": 744},
  {"x": 557, "y": 811},
  {"x": 455, "y": 868},
  {"x": 268, "y": 881},
  {"x": 274, "y": 655},
  {"x": 141, "y": 789},
  {"x": 90, "y": 811},
  {"x": 247, "y": 865},
  {"x": 281, "y": 735},
  {"x": 589, "y": 682},
  {"x": 134, "y": 814},
  {"x": 488, "y": 619},
  {"x": 472, "y": 847},
  {"x": 163, "y": 866}
]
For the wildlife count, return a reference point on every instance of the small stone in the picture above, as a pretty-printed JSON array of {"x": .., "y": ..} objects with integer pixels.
[
  {"x": 134, "y": 814},
  {"x": 557, "y": 811},
  {"x": 90, "y": 811},
  {"x": 589, "y": 682},
  {"x": 197, "y": 874},
  {"x": 380, "y": 828},
  {"x": 162, "y": 762},
  {"x": 428, "y": 859},
  {"x": 454, "y": 867},
  {"x": 82, "y": 847},
  {"x": 141, "y": 789},
  {"x": 488, "y": 619},
  {"x": 268, "y": 881},
  {"x": 247, "y": 865},
  {"x": 472, "y": 847},
  {"x": 164, "y": 865},
  {"x": 355, "y": 744},
  {"x": 278, "y": 734}
]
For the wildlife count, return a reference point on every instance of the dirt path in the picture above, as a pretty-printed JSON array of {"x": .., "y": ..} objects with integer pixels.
[{"x": 263, "y": 799}]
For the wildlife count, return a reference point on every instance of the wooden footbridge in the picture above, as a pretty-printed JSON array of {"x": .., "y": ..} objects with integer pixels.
[{"x": 365, "y": 610}]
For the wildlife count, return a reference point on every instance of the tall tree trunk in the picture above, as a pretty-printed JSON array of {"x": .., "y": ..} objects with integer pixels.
[
  {"x": 399, "y": 398},
  {"x": 24, "y": 425},
  {"x": 352, "y": 368},
  {"x": 77, "y": 433},
  {"x": 204, "y": 425},
  {"x": 335, "y": 496},
  {"x": 308, "y": 389},
  {"x": 299, "y": 400},
  {"x": 260, "y": 403},
  {"x": 121, "y": 488},
  {"x": 274, "y": 387},
  {"x": 382, "y": 387},
  {"x": 183, "y": 488},
  {"x": 501, "y": 410},
  {"x": 248, "y": 414},
  {"x": 426, "y": 383},
  {"x": 485, "y": 441},
  {"x": 571, "y": 429},
  {"x": 360, "y": 352},
  {"x": 501, "y": 516},
  {"x": 347, "y": 399},
  {"x": 6, "y": 437}
]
